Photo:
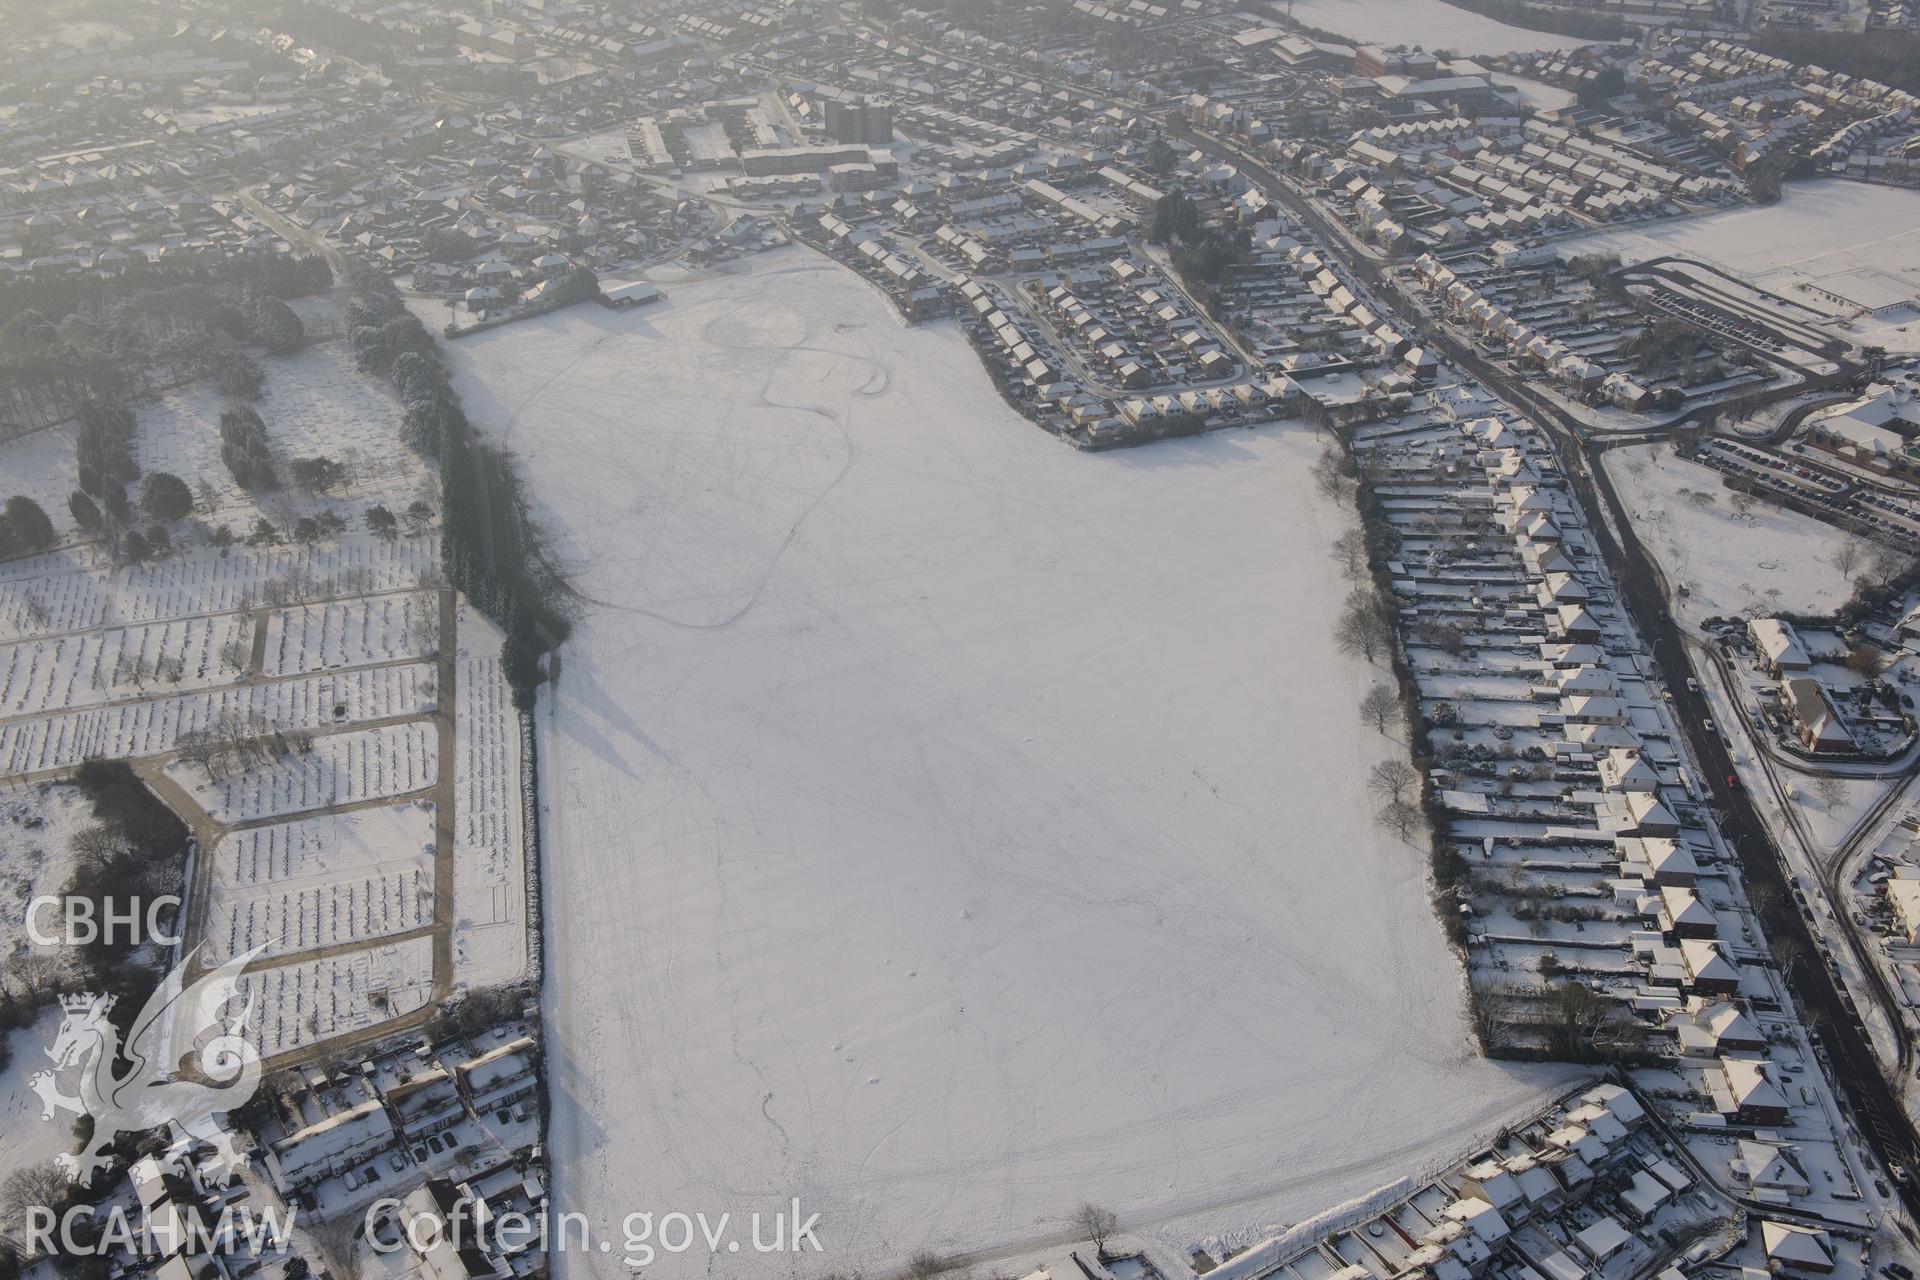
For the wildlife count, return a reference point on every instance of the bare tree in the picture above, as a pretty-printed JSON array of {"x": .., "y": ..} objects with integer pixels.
[
  {"x": 1866, "y": 661},
  {"x": 39, "y": 1186},
  {"x": 1355, "y": 635},
  {"x": 1366, "y": 601},
  {"x": 1393, "y": 779},
  {"x": 1364, "y": 624},
  {"x": 1443, "y": 636},
  {"x": 1097, "y": 1224},
  {"x": 197, "y": 746},
  {"x": 97, "y": 844},
  {"x": 1579, "y": 1013},
  {"x": 1492, "y": 1016},
  {"x": 1400, "y": 817},
  {"x": 1830, "y": 790},
  {"x": 30, "y": 977},
  {"x": 1350, "y": 553},
  {"x": 1847, "y": 557},
  {"x": 1380, "y": 707},
  {"x": 425, "y": 624},
  {"x": 1332, "y": 474},
  {"x": 1890, "y": 564},
  {"x": 1787, "y": 951}
]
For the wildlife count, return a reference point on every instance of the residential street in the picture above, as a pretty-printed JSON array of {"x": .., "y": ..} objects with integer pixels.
[{"x": 1856, "y": 1070}]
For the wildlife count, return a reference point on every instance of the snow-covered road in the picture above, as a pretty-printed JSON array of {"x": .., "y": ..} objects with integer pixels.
[{"x": 945, "y": 827}]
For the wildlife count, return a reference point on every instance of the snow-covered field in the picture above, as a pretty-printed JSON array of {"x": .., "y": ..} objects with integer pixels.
[
  {"x": 85, "y": 34},
  {"x": 322, "y": 881},
  {"x": 1431, "y": 24},
  {"x": 946, "y": 827},
  {"x": 1819, "y": 230},
  {"x": 1730, "y": 561},
  {"x": 340, "y": 769},
  {"x": 41, "y": 466}
]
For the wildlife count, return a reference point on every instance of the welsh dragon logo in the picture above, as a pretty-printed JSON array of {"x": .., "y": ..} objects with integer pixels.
[{"x": 186, "y": 1058}]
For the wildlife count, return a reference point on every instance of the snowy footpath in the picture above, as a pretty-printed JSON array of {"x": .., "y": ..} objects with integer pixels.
[{"x": 945, "y": 827}]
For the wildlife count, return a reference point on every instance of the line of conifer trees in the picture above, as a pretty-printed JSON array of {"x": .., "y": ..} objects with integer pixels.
[{"x": 489, "y": 549}]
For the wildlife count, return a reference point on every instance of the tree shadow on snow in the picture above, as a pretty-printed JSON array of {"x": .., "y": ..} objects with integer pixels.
[{"x": 591, "y": 705}]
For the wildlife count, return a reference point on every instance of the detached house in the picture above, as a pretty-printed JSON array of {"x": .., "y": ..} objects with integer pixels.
[
  {"x": 1779, "y": 646},
  {"x": 1772, "y": 1172},
  {"x": 1797, "y": 1249},
  {"x": 1716, "y": 1029},
  {"x": 1750, "y": 1093},
  {"x": 1624, "y": 769},
  {"x": 1708, "y": 968},
  {"x": 1574, "y": 623},
  {"x": 1814, "y": 718},
  {"x": 1668, "y": 861}
]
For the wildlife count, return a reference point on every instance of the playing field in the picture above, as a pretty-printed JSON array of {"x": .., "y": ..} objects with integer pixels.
[{"x": 943, "y": 826}]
